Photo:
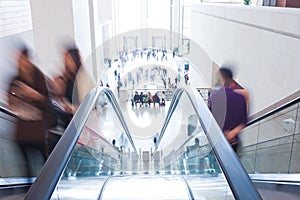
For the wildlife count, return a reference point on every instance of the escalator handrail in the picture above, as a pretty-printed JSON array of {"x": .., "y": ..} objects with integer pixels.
[
  {"x": 52, "y": 170},
  {"x": 103, "y": 187},
  {"x": 5, "y": 110},
  {"x": 291, "y": 179},
  {"x": 118, "y": 111},
  {"x": 189, "y": 189},
  {"x": 274, "y": 111},
  {"x": 171, "y": 110},
  {"x": 237, "y": 177}
]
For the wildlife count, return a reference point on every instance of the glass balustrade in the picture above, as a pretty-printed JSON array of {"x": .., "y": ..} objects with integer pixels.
[{"x": 271, "y": 145}]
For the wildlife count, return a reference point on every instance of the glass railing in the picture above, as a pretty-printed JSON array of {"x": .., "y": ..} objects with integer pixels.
[
  {"x": 14, "y": 167},
  {"x": 271, "y": 144},
  {"x": 16, "y": 173},
  {"x": 96, "y": 155}
]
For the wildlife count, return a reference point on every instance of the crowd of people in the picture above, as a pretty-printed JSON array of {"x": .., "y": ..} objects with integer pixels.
[
  {"x": 145, "y": 99},
  {"x": 157, "y": 73},
  {"x": 146, "y": 53}
]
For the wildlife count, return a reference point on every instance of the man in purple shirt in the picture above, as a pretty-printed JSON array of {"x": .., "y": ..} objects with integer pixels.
[{"x": 229, "y": 108}]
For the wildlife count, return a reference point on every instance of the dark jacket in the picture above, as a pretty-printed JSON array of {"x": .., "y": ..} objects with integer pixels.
[{"x": 31, "y": 131}]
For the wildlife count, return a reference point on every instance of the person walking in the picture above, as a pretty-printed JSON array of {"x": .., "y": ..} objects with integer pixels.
[
  {"x": 229, "y": 108},
  {"x": 28, "y": 99}
]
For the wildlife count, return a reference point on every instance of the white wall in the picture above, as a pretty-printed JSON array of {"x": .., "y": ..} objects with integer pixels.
[
  {"x": 15, "y": 30},
  {"x": 52, "y": 27},
  {"x": 8, "y": 47},
  {"x": 262, "y": 43},
  {"x": 15, "y": 17}
]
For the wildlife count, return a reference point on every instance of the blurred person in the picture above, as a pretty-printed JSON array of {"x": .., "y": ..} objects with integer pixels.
[
  {"x": 227, "y": 79},
  {"x": 65, "y": 88},
  {"x": 156, "y": 99},
  {"x": 186, "y": 78},
  {"x": 125, "y": 82},
  {"x": 115, "y": 73},
  {"x": 163, "y": 98},
  {"x": 119, "y": 85},
  {"x": 101, "y": 83},
  {"x": 28, "y": 99},
  {"x": 229, "y": 108},
  {"x": 136, "y": 99},
  {"x": 141, "y": 99},
  {"x": 67, "y": 93},
  {"x": 245, "y": 93},
  {"x": 178, "y": 77},
  {"x": 133, "y": 82},
  {"x": 164, "y": 82},
  {"x": 114, "y": 145},
  {"x": 194, "y": 146},
  {"x": 149, "y": 98}
]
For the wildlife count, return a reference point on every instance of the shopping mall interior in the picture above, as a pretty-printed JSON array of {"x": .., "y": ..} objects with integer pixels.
[{"x": 140, "y": 125}]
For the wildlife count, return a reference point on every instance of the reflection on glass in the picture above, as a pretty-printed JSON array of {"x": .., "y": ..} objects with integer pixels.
[
  {"x": 277, "y": 125},
  {"x": 294, "y": 165},
  {"x": 274, "y": 142}
]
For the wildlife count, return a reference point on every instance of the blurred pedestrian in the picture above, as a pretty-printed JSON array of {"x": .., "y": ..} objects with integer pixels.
[
  {"x": 28, "y": 99},
  {"x": 229, "y": 109},
  {"x": 65, "y": 86}
]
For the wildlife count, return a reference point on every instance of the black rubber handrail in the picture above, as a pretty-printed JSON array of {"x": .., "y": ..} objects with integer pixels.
[
  {"x": 188, "y": 188},
  {"x": 237, "y": 177},
  {"x": 8, "y": 112},
  {"x": 274, "y": 111},
  {"x": 13, "y": 182},
  {"x": 103, "y": 188}
]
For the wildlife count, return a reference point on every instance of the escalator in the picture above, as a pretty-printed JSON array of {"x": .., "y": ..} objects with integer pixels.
[{"x": 190, "y": 159}]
